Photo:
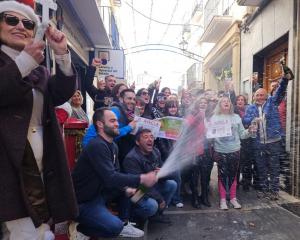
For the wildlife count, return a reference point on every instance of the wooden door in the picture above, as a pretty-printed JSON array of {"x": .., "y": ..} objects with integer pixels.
[{"x": 272, "y": 67}]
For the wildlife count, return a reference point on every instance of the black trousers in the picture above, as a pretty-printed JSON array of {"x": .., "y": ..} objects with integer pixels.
[{"x": 202, "y": 168}]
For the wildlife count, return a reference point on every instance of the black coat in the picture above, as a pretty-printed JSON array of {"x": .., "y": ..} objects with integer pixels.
[
  {"x": 101, "y": 98},
  {"x": 16, "y": 101}
]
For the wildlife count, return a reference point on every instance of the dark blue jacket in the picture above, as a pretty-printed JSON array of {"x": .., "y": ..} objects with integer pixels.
[
  {"x": 270, "y": 110},
  {"x": 98, "y": 169}
]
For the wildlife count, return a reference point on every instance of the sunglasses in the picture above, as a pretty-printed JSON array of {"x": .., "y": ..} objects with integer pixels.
[
  {"x": 12, "y": 20},
  {"x": 145, "y": 93}
]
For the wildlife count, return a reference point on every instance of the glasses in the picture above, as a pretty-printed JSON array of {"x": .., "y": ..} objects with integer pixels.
[
  {"x": 162, "y": 99},
  {"x": 145, "y": 93},
  {"x": 12, "y": 20}
]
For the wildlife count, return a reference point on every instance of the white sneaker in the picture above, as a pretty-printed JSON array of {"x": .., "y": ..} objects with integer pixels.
[
  {"x": 130, "y": 231},
  {"x": 179, "y": 205},
  {"x": 223, "y": 204},
  {"x": 235, "y": 203},
  {"x": 74, "y": 234}
]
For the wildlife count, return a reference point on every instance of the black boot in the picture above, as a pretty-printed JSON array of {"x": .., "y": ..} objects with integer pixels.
[
  {"x": 204, "y": 195},
  {"x": 205, "y": 178},
  {"x": 194, "y": 188},
  {"x": 195, "y": 201}
]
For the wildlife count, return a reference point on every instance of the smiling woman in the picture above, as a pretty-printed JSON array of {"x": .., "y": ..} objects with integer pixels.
[{"x": 32, "y": 180}]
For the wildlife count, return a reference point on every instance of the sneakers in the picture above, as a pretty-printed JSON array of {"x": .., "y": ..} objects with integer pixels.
[
  {"x": 235, "y": 203},
  {"x": 179, "y": 205},
  {"x": 74, "y": 234},
  {"x": 130, "y": 231},
  {"x": 223, "y": 204}
]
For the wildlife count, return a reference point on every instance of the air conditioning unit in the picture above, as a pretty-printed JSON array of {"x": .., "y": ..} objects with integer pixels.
[{"x": 255, "y": 3}]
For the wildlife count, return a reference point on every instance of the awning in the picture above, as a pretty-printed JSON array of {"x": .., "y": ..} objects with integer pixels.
[{"x": 88, "y": 13}]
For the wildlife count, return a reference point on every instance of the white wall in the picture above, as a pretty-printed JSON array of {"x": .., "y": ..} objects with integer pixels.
[{"x": 274, "y": 21}]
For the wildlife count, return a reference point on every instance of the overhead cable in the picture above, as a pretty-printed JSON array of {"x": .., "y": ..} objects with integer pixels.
[{"x": 154, "y": 20}]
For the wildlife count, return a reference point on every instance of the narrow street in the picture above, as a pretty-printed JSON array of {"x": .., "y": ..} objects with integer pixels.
[
  {"x": 119, "y": 118},
  {"x": 258, "y": 219}
]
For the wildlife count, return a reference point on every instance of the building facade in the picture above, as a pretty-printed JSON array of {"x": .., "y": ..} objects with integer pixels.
[
  {"x": 270, "y": 33},
  {"x": 222, "y": 20}
]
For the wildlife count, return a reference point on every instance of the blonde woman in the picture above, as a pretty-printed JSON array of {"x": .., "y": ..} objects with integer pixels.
[
  {"x": 77, "y": 112},
  {"x": 227, "y": 149}
]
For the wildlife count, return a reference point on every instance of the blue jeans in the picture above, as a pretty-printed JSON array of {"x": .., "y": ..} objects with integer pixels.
[
  {"x": 176, "y": 197},
  {"x": 267, "y": 157},
  {"x": 143, "y": 209},
  {"x": 167, "y": 189},
  {"x": 97, "y": 221}
]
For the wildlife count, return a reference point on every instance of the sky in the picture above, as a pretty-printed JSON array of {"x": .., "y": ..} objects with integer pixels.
[{"x": 136, "y": 30}]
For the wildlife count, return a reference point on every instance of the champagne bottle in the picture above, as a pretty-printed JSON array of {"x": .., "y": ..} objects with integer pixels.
[
  {"x": 286, "y": 69},
  {"x": 253, "y": 131},
  {"x": 137, "y": 111},
  {"x": 140, "y": 192}
]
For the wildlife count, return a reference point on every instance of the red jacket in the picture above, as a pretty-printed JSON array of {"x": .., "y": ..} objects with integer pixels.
[{"x": 196, "y": 127}]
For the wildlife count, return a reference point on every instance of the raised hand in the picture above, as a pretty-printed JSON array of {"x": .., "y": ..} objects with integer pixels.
[
  {"x": 36, "y": 50},
  {"x": 57, "y": 40},
  {"x": 96, "y": 62},
  {"x": 132, "y": 86}
]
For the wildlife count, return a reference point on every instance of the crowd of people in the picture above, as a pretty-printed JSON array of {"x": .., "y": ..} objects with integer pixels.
[
  {"x": 116, "y": 165},
  {"x": 253, "y": 127}
]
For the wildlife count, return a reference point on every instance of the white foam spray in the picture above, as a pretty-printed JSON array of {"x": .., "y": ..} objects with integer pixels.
[{"x": 185, "y": 150}]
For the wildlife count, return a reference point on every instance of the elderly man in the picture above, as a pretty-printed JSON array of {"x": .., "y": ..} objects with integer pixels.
[
  {"x": 35, "y": 182},
  {"x": 268, "y": 141}
]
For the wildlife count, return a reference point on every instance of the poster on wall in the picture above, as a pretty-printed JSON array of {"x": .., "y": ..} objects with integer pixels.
[{"x": 112, "y": 62}]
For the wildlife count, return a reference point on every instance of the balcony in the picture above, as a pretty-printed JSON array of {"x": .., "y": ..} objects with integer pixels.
[
  {"x": 253, "y": 3},
  {"x": 216, "y": 28}
]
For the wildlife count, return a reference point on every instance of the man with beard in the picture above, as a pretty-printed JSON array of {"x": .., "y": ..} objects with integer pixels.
[
  {"x": 125, "y": 114},
  {"x": 124, "y": 111},
  {"x": 102, "y": 94},
  {"x": 97, "y": 180}
]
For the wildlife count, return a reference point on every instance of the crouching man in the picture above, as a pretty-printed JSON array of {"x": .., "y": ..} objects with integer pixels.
[
  {"x": 145, "y": 158},
  {"x": 97, "y": 180}
]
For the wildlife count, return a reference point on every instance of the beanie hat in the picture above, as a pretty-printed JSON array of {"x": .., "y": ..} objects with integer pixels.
[{"x": 26, "y": 11}]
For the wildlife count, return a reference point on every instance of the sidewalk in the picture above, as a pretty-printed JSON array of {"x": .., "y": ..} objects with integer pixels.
[{"x": 257, "y": 220}]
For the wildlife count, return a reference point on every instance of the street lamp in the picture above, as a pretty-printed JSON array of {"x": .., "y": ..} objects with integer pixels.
[{"x": 183, "y": 44}]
